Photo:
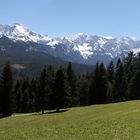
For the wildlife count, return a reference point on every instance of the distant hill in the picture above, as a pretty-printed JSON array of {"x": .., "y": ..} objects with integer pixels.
[{"x": 26, "y": 62}]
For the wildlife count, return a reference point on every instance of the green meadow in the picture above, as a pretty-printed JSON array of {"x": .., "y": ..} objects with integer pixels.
[{"x": 119, "y": 121}]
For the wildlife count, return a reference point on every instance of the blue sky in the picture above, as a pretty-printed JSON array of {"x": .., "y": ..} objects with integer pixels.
[{"x": 67, "y": 17}]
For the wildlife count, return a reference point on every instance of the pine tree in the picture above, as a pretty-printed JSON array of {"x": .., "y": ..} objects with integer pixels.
[
  {"x": 83, "y": 90},
  {"x": 61, "y": 90},
  {"x": 32, "y": 94},
  {"x": 43, "y": 89},
  {"x": 1, "y": 99},
  {"x": 50, "y": 86},
  {"x": 103, "y": 85},
  {"x": 6, "y": 91},
  {"x": 71, "y": 78},
  {"x": 25, "y": 96},
  {"x": 120, "y": 83},
  {"x": 134, "y": 86},
  {"x": 139, "y": 60},
  {"x": 25, "y": 107},
  {"x": 128, "y": 65},
  {"x": 18, "y": 95},
  {"x": 99, "y": 85},
  {"x": 110, "y": 72},
  {"x": 110, "y": 76},
  {"x": 37, "y": 94},
  {"x": 93, "y": 86}
]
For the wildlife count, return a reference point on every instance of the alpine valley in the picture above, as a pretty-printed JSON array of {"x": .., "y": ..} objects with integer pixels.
[{"x": 27, "y": 49}]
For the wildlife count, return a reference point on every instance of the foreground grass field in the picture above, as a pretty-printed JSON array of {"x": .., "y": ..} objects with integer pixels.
[{"x": 119, "y": 121}]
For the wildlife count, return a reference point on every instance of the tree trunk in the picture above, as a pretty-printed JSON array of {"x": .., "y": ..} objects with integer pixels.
[
  {"x": 42, "y": 111},
  {"x": 57, "y": 110}
]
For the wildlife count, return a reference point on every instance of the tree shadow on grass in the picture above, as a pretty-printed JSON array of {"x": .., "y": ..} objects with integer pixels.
[
  {"x": 51, "y": 112},
  {"x": 38, "y": 113},
  {"x": 1, "y": 116},
  {"x": 60, "y": 111}
]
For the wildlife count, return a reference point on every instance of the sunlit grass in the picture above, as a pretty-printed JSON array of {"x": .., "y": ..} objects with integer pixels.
[{"x": 119, "y": 121}]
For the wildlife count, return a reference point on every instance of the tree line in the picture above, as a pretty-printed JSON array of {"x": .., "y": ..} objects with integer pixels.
[{"x": 62, "y": 88}]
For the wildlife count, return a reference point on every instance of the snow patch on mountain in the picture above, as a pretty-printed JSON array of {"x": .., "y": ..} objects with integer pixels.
[
  {"x": 75, "y": 46},
  {"x": 19, "y": 32},
  {"x": 84, "y": 49},
  {"x": 136, "y": 50}
]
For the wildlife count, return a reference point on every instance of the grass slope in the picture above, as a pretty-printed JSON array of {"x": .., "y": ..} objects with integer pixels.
[{"x": 119, "y": 121}]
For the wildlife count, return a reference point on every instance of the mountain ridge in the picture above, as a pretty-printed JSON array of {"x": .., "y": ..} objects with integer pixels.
[
  {"x": 28, "y": 63},
  {"x": 79, "y": 48}
]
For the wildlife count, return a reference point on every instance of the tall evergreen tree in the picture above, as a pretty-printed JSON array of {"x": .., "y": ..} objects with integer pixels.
[
  {"x": 18, "y": 95},
  {"x": 43, "y": 89},
  {"x": 25, "y": 96},
  {"x": 61, "y": 90},
  {"x": 103, "y": 85},
  {"x": 6, "y": 90},
  {"x": 25, "y": 103},
  {"x": 134, "y": 86},
  {"x": 99, "y": 85},
  {"x": 128, "y": 65},
  {"x": 120, "y": 83},
  {"x": 32, "y": 93},
  {"x": 110, "y": 72},
  {"x": 50, "y": 86},
  {"x": 1, "y": 99},
  {"x": 72, "y": 86},
  {"x": 139, "y": 60},
  {"x": 93, "y": 86},
  {"x": 83, "y": 90},
  {"x": 110, "y": 76}
]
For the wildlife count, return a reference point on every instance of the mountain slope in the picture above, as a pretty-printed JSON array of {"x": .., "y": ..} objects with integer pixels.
[
  {"x": 27, "y": 62},
  {"x": 118, "y": 121},
  {"x": 79, "y": 48}
]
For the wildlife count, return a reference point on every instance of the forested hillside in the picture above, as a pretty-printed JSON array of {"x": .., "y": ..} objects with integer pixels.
[{"x": 62, "y": 88}]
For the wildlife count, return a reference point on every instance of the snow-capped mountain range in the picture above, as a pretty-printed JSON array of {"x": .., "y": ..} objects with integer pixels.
[{"x": 79, "y": 48}]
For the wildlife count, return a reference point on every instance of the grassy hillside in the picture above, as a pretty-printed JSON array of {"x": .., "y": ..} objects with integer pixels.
[{"x": 119, "y": 121}]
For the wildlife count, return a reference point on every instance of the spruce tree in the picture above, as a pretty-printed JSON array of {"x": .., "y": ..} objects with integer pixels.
[
  {"x": 25, "y": 104},
  {"x": 120, "y": 83},
  {"x": 1, "y": 99},
  {"x": 99, "y": 85},
  {"x": 6, "y": 90},
  {"x": 37, "y": 94},
  {"x": 71, "y": 78},
  {"x": 134, "y": 86},
  {"x": 128, "y": 65},
  {"x": 43, "y": 89},
  {"x": 25, "y": 96},
  {"x": 50, "y": 86},
  {"x": 18, "y": 95},
  {"x": 110, "y": 72},
  {"x": 32, "y": 94},
  {"x": 61, "y": 90},
  {"x": 103, "y": 85},
  {"x": 110, "y": 76},
  {"x": 93, "y": 86},
  {"x": 139, "y": 60},
  {"x": 83, "y": 90}
]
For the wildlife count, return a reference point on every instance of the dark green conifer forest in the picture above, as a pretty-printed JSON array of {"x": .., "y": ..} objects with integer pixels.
[{"x": 62, "y": 88}]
